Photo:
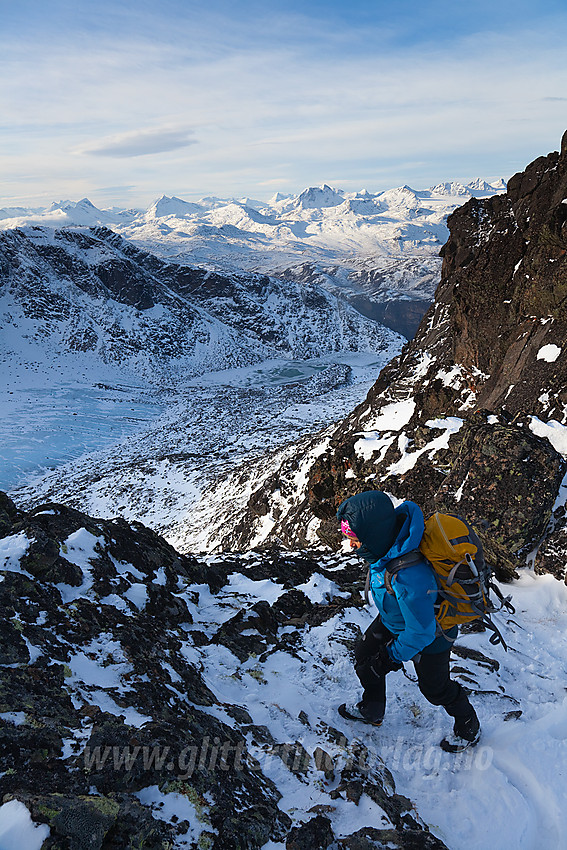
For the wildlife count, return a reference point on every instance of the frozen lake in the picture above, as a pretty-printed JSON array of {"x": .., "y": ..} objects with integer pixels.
[
  {"x": 52, "y": 436},
  {"x": 42, "y": 428}
]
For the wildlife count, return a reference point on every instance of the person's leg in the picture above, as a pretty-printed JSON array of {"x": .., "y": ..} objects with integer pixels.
[
  {"x": 438, "y": 688},
  {"x": 373, "y": 702}
]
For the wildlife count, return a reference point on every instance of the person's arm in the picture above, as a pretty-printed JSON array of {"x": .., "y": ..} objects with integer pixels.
[{"x": 416, "y": 592}]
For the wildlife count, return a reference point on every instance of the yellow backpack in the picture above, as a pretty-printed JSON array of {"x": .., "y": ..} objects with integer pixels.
[{"x": 464, "y": 579}]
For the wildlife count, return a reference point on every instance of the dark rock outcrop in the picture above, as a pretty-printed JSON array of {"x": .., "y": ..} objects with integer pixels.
[
  {"x": 118, "y": 603},
  {"x": 107, "y": 705}
]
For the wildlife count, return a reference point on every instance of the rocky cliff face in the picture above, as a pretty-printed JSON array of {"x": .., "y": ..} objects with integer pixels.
[{"x": 471, "y": 417}]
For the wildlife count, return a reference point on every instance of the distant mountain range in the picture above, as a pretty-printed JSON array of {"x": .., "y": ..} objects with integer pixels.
[
  {"x": 372, "y": 249},
  {"x": 319, "y": 224}
]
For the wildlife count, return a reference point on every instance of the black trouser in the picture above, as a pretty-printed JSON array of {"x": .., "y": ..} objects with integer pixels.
[{"x": 432, "y": 670}]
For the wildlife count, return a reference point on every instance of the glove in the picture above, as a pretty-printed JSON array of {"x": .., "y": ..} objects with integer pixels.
[{"x": 383, "y": 662}]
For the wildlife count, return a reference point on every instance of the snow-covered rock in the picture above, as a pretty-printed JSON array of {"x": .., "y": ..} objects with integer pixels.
[
  {"x": 192, "y": 702},
  {"x": 175, "y": 207},
  {"x": 320, "y": 197},
  {"x": 452, "y": 188}
]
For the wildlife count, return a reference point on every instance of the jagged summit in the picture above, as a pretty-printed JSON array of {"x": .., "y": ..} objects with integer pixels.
[
  {"x": 499, "y": 185},
  {"x": 84, "y": 204},
  {"x": 279, "y": 196},
  {"x": 453, "y": 188}
]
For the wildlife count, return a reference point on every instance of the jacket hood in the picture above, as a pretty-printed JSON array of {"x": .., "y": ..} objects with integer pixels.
[
  {"x": 372, "y": 517},
  {"x": 410, "y": 526}
]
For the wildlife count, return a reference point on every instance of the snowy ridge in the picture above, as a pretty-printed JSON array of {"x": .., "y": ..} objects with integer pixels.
[{"x": 91, "y": 292}]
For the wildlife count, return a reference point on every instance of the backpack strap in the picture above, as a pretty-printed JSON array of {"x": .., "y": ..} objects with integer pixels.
[
  {"x": 410, "y": 559},
  {"x": 367, "y": 588},
  {"x": 505, "y": 601}
]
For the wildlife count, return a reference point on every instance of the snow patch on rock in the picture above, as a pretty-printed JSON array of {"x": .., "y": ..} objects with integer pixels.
[{"x": 549, "y": 353}]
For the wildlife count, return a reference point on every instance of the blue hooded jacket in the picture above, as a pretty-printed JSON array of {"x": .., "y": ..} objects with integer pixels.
[{"x": 409, "y": 613}]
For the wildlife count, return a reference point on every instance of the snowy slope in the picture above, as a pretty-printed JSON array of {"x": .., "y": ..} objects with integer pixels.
[{"x": 150, "y": 652}]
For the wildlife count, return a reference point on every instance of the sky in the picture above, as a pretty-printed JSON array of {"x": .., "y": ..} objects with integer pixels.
[{"x": 122, "y": 101}]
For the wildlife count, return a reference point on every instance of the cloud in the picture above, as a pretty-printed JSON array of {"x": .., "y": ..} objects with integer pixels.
[
  {"x": 140, "y": 143},
  {"x": 276, "y": 181},
  {"x": 271, "y": 106}
]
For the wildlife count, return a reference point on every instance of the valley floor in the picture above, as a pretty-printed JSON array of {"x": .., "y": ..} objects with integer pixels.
[{"x": 175, "y": 442}]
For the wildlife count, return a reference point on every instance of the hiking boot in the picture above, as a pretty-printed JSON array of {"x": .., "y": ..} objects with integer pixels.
[
  {"x": 356, "y": 711},
  {"x": 466, "y": 733}
]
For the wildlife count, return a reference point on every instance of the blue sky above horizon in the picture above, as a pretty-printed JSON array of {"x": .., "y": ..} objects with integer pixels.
[{"x": 122, "y": 101}]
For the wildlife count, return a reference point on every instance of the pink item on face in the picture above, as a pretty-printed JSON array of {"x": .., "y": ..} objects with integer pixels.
[{"x": 347, "y": 530}]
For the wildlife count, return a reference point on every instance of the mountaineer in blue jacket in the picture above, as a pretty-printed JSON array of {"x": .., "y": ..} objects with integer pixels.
[{"x": 405, "y": 629}]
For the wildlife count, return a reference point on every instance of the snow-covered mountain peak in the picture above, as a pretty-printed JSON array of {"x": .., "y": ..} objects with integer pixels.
[
  {"x": 85, "y": 203},
  {"x": 319, "y": 197},
  {"x": 84, "y": 206},
  {"x": 401, "y": 199},
  {"x": 211, "y": 202},
  {"x": 363, "y": 205},
  {"x": 61, "y": 205},
  {"x": 479, "y": 184},
  {"x": 452, "y": 188},
  {"x": 240, "y": 215},
  {"x": 275, "y": 199},
  {"x": 165, "y": 207}
]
